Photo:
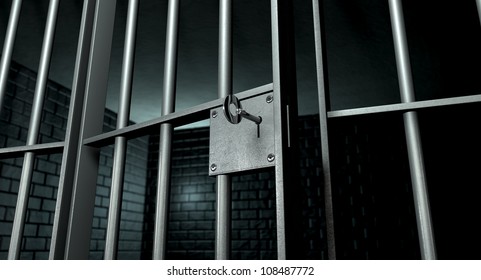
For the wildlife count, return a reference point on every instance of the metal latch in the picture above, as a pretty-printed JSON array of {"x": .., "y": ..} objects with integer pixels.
[{"x": 237, "y": 146}]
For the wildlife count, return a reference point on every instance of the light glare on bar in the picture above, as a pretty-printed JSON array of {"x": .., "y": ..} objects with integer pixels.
[
  {"x": 33, "y": 129},
  {"x": 118, "y": 169},
  {"x": 224, "y": 184},
  {"x": 166, "y": 131}
]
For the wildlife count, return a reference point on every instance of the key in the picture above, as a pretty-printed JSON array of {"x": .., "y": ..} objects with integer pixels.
[{"x": 234, "y": 113}]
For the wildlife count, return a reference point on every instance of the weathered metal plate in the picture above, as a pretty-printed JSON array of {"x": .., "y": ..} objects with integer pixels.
[{"x": 236, "y": 147}]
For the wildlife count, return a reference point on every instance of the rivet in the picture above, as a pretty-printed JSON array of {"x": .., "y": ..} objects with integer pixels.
[
  {"x": 214, "y": 114},
  {"x": 213, "y": 167},
  {"x": 271, "y": 157},
  {"x": 269, "y": 98}
]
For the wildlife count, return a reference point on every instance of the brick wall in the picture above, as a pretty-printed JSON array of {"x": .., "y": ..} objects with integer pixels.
[
  {"x": 192, "y": 205},
  {"x": 14, "y": 121}
]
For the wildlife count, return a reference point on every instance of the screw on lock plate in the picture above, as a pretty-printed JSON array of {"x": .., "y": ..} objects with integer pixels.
[{"x": 234, "y": 113}]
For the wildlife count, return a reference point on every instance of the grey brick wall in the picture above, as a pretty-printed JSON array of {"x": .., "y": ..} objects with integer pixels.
[
  {"x": 192, "y": 205},
  {"x": 14, "y": 121}
]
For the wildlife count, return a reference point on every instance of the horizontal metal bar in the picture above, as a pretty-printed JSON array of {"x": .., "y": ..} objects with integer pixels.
[
  {"x": 38, "y": 149},
  {"x": 195, "y": 113},
  {"x": 403, "y": 107}
]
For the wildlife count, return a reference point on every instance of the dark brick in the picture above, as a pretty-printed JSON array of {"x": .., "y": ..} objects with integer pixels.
[
  {"x": 131, "y": 216},
  {"x": 240, "y": 244},
  {"x": 42, "y": 255},
  {"x": 134, "y": 207},
  {"x": 9, "y": 171},
  {"x": 10, "y": 214},
  {"x": 179, "y": 197},
  {"x": 188, "y": 225},
  {"x": 204, "y": 245},
  {"x": 5, "y": 228},
  {"x": 8, "y": 199},
  {"x": 179, "y": 216},
  {"x": 103, "y": 191},
  {"x": 39, "y": 217},
  {"x": 196, "y": 197},
  {"x": 130, "y": 235},
  {"x": 44, "y": 230},
  {"x": 44, "y": 192},
  {"x": 240, "y": 224},
  {"x": 5, "y": 185},
  {"x": 258, "y": 224},
  {"x": 52, "y": 180},
  {"x": 35, "y": 244},
  {"x": 248, "y": 214},
  {"x": 203, "y": 206},
  {"x": 269, "y": 214},
  {"x": 98, "y": 234},
  {"x": 196, "y": 215},
  {"x": 204, "y": 225},
  {"x": 38, "y": 178},
  {"x": 34, "y": 203},
  {"x": 189, "y": 206},
  {"x": 48, "y": 205},
  {"x": 209, "y": 215},
  {"x": 46, "y": 166},
  {"x": 248, "y": 195}
]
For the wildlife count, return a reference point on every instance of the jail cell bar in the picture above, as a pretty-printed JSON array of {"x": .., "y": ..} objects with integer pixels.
[
  {"x": 166, "y": 131},
  {"x": 120, "y": 148},
  {"x": 413, "y": 140},
  {"x": 33, "y": 130},
  {"x": 224, "y": 182}
]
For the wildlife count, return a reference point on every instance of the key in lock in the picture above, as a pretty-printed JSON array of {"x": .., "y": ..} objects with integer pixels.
[{"x": 234, "y": 113}]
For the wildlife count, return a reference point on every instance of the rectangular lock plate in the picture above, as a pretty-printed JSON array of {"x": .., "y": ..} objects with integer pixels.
[{"x": 236, "y": 147}]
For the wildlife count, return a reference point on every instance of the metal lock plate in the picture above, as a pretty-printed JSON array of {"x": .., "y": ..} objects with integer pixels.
[{"x": 236, "y": 147}]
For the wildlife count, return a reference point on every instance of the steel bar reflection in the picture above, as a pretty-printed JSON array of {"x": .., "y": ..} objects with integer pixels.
[
  {"x": 33, "y": 130},
  {"x": 323, "y": 97},
  {"x": 413, "y": 138},
  {"x": 72, "y": 134},
  {"x": 8, "y": 48},
  {"x": 166, "y": 131},
  {"x": 118, "y": 169},
  {"x": 224, "y": 183},
  {"x": 87, "y": 159}
]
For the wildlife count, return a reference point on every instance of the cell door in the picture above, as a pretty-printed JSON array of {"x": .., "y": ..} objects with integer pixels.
[{"x": 254, "y": 128}]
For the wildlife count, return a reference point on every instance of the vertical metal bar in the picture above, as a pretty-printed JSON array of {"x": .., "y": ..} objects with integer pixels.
[
  {"x": 224, "y": 184},
  {"x": 34, "y": 127},
  {"x": 113, "y": 225},
  {"x": 85, "y": 178},
  {"x": 67, "y": 171},
  {"x": 166, "y": 130},
  {"x": 279, "y": 169},
  {"x": 285, "y": 117},
  {"x": 323, "y": 92},
  {"x": 413, "y": 139},
  {"x": 8, "y": 47}
]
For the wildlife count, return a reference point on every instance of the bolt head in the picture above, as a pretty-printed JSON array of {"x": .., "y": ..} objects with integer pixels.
[
  {"x": 271, "y": 157},
  {"x": 213, "y": 167},
  {"x": 214, "y": 114},
  {"x": 269, "y": 98}
]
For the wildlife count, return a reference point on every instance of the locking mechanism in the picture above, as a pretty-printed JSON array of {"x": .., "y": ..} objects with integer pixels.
[
  {"x": 234, "y": 113},
  {"x": 237, "y": 146}
]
